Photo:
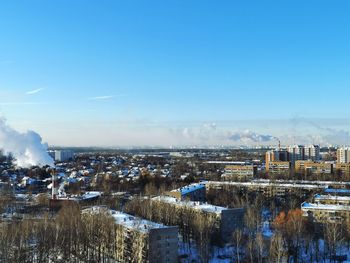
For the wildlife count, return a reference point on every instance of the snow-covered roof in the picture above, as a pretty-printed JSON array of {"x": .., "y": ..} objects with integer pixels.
[
  {"x": 91, "y": 194},
  {"x": 127, "y": 220},
  {"x": 337, "y": 191},
  {"x": 196, "y": 205},
  {"x": 331, "y": 197},
  {"x": 312, "y": 206},
  {"x": 267, "y": 184},
  {"x": 84, "y": 197},
  {"x": 190, "y": 188},
  {"x": 229, "y": 162},
  {"x": 326, "y": 183}
]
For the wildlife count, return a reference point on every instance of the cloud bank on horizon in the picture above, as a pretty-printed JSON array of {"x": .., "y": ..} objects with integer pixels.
[
  {"x": 142, "y": 133},
  {"x": 27, "y": 148}
]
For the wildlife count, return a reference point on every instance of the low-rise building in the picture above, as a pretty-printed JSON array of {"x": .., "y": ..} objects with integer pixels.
[
  {"x": 192, "y": 192},
  {"x": 342, "y": 191},
  {"x": 278, "y": 167},
  {"x": 322, "y": 213},
  {"x": 245, "y": 171},
  {"x": 343, "y": 168},
  {"x": 276, "y": 188},
  {"x": 226, "y": 219},
  {"x": 140, "y": 240},
  {"x": 311, "y": 167},
  {"x": 333, "y": 205},
  {"x": 331, "y": 199}
]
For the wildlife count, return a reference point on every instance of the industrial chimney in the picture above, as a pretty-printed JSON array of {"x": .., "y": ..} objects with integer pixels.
[{"x": 54, "y": 184}]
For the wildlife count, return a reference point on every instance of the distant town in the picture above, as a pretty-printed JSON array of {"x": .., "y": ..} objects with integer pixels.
[{"x": 288, "y": 204}]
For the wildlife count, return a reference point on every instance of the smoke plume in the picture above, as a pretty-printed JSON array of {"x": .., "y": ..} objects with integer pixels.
[
  {"x": 27, "y": 148},
  {"x": 248, "y": 135}
]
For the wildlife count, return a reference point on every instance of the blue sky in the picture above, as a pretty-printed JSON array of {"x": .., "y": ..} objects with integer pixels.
[{"x": 121, "y": 73}]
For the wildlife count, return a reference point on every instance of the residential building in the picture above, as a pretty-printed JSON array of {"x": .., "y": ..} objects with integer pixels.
[
  {"x": 312, "y": 167},
  {"x": 63, "y": 155},
  {"x": 312, "y": 152},
  {"x": 278, "y": 167},
  {"x": 275, "y": 155},
  {"x": 322, "y": 213},
  {"x": 333, "y": 205},
  {"x": 244, "y": 170},
  {"x": 337, "y": 191},
  {"x": 192, "y": 192},
  {"x": 296, "y": 152},
  {"x": 278, "y": 188},
  {"x": 328, "y": 199},
  {"x": 343, "y": 155},
  {"x": 226, "y": 219},
  {"x": 156, "y": 243},
  {"x": 342, "y": 168}
]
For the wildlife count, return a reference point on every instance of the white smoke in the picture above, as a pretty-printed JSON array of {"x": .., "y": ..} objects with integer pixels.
[
  {"x": 210, "y": 134},
  {"x": 27, "y": 148},
  {"x": 251, "y": 136}
]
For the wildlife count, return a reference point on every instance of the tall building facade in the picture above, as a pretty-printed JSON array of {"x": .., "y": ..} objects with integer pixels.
[
  {"x": 275, "y": 157},
  {"x": 312, "y": 153},
  {"x": 63, "y": 155},
  {"x": 296, "y": 152},
  {"x": 140, "y": 240},
  {"x": 343, "y": 155}
]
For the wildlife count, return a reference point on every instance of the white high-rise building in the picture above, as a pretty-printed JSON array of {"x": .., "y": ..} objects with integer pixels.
[
  {"x": 296, "y": 152},
  {"x": 63, "y": 155},
  {"x": 312, "y": 152},
  {"x": 343, "y": 155}
]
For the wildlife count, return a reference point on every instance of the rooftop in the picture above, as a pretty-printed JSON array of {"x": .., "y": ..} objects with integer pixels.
[
  {"x": 127, "y": 220},
  {"x": 313, "y": 206},
  {"x": 332, "y": 197},
  {"x": 267, "y": 184},
  {"x": 86, "y": 196},
  {"x": 337, "y": 191},
  {"x": 196, "y": 205},
  {"x": 190, "y": 188}
]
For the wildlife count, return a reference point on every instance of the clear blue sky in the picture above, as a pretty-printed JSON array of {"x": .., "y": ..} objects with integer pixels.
[{"x": 161, "y": 72}]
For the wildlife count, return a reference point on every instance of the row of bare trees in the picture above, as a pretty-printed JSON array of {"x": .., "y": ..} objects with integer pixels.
[{"x": 67, "y": 237}]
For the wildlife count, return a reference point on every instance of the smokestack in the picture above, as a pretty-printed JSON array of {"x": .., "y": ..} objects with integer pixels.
[{"x": 54, "y": 184}]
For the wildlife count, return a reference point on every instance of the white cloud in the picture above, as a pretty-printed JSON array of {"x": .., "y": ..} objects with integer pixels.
[
  {"x": 102, "y": 97},
  {"x": 31, "y": 92}
]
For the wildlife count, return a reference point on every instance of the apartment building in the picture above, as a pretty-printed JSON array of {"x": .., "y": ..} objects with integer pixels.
[
  {"x": 328, "y": 199},
  {"x": 192, "y": 192},
  {"x": 241, "y": 171},
  {"x": 226, "y": 219},
  {"x": 278, "y": 167},
  {"x": 342, "y": 168},
  {"x": 343, "y": 155},
  {"x": 322, "y": 213},
  {"x": 63, "y": 155},
  {"x": 279, "y": 188},
  {"x": 312, "y": 167},
  {"x": 312, "y": 153},
  {"x": 333, "y": 205},
  {"x": 140, "y": 240},
  {"x": 296, "y": 152},
  {"x": 275, "y": 155}
]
